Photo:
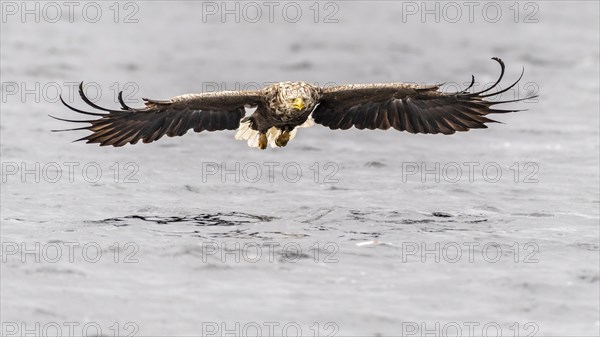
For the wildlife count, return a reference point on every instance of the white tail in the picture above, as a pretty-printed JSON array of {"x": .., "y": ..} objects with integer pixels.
[{"x": 245, "y": 132}]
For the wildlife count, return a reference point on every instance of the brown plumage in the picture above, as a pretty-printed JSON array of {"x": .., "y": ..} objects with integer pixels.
[{"x": 285, "y": 106}]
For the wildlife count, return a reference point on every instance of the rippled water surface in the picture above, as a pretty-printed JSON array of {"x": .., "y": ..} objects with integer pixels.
[{"x": 358, "y": 232}]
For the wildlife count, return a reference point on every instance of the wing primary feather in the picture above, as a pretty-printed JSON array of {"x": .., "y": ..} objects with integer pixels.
[
  {"x": 346, "y": 122},
  {"x": 124, "y": 136},
  {"x": 413, "y": 113},
  {"x": 73, "y": 129},
  {"x": 83, "y": 138},
  {"x": 90, "y": 103},
  {"x": 122, "y": 102},
  {"x": 380, "y": 115},
  {"x": 403, "y": 116},
  {"x": 428, "y": 126},
  {"x": 80, "y": 111},
  {"x": 444, "y": 126},
  {"x": 502, "y": 111},
  {"x": 72, "y": 120},
  {"x": 502, "y": 68},
  {"x": 195, "y": 121},
  {"x": 470, "y": 120},
  {"x": 361, "y": 117},
  {"x": 507, "y": 88},
  {"x": 512, "y": 100},
  {"x": 151, "y": 128},
  {"x": 456, "y": 123},
  {"x": 222, "y": 120},
  {"x": 470, "y": 85},
  {"x": 392, "y": 115}
]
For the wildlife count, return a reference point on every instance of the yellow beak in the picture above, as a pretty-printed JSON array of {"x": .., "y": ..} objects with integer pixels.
[{"x": 298, "y": 103}]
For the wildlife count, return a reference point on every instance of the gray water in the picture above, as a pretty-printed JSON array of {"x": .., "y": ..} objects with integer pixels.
[{"x": 341, "y": 233}]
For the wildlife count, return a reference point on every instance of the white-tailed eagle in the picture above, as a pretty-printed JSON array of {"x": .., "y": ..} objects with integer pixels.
[{"x": 283, "y": 107}]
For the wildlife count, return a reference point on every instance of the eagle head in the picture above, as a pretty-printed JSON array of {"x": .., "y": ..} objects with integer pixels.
[{"x": 294, "y": 98}]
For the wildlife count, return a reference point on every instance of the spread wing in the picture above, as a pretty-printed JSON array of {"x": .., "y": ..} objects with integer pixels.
[
  {"x": 173, "y": 117},
  {"x": 408, "y": 107}
]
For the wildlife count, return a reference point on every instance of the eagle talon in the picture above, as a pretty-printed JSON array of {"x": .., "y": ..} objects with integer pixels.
[
  {"x": 283, "y": 139},
  {"x": 262, "y": 141}
]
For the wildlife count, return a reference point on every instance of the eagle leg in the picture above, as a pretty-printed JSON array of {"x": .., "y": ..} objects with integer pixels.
[
  {"x": 283, "y": 138},
  {"x": 262, "y": 140}
]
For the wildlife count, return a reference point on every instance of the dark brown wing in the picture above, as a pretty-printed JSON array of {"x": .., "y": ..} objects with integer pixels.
[
  {"x": 173, "y": 117},
  {"x": 408, "y": 107}
]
